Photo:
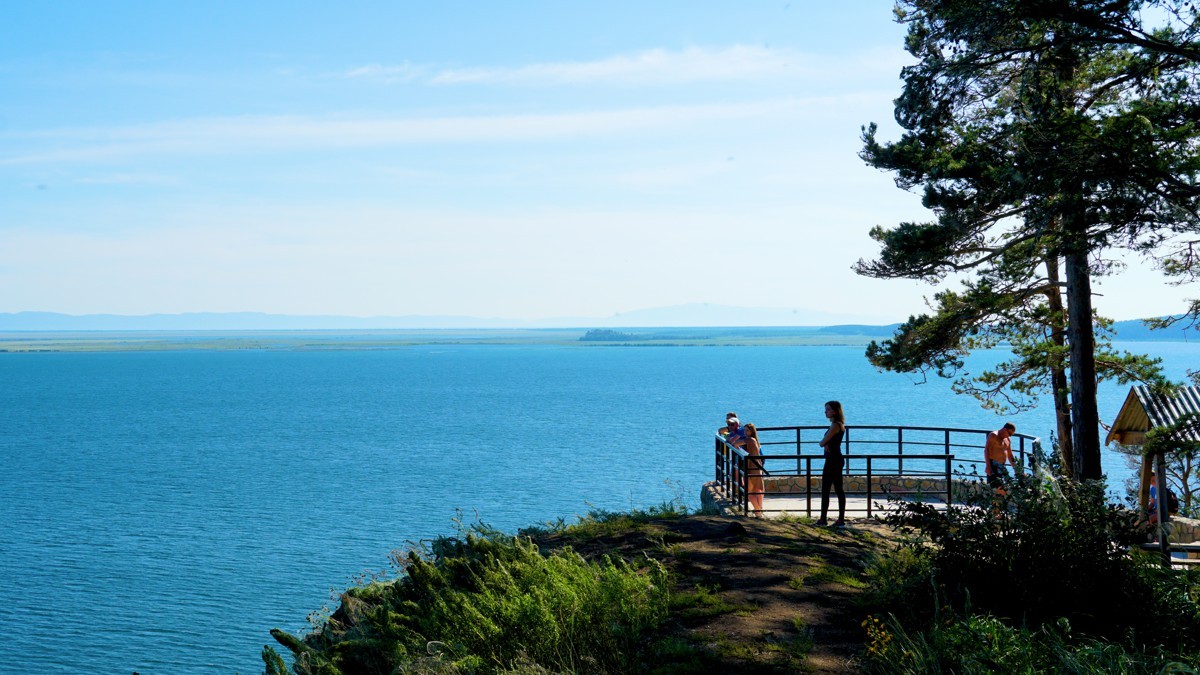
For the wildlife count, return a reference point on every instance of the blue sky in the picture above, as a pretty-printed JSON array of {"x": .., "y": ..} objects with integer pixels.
[{"x": 519, "y": 160}]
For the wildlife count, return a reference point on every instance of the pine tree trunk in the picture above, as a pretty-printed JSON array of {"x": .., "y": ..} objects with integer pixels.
[
  {"x": 1085, "y": 417},
  {"x": 1058, "y": 373}
]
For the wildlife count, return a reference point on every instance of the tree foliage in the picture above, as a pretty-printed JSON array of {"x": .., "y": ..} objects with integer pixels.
[{"x": 1043, "y": 135}]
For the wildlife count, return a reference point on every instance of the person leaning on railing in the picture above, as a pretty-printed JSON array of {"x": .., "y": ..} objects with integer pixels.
[
  {"x": 733, "y": 432},
  {"x": 734, "y": 435}
]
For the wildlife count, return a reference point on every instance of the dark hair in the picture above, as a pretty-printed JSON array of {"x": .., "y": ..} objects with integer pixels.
[
  {"x": 1010, "y": 426},
  {"x": 838, "y": 415},
  {"x": 730, "y": 414}
]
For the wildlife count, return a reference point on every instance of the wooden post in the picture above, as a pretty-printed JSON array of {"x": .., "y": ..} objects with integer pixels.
[
  {"x": 1164, "y": 545},
  {"x": 1144, "y": 486}
]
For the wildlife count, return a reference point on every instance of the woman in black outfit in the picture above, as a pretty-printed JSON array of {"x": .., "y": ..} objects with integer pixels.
[{"x": 831, "y": 475}]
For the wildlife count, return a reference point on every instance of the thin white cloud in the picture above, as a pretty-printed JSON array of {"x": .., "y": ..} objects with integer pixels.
[
  {"x": 650, "y": 67},
  {"x": 129, "y": 179},
  {"x": 231, "y": 135},
  {"x": 405, "y": 72}
]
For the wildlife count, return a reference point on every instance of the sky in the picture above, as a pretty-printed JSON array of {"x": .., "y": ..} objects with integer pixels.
[{"x": 520, "y": 160}]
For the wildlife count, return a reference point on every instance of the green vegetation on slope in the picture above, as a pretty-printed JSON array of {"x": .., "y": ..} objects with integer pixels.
[
  {"x": 490, "y": 603},
  {"x": 1041, "y": 581},
  {"x": 656, "y": 591}
]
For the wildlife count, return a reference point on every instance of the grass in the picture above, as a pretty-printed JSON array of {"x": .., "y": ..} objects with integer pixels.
[
  {"x": 600, "y": 522},
  {"x": 701, "y": 603},
  {"x": 824, "y": 573}
]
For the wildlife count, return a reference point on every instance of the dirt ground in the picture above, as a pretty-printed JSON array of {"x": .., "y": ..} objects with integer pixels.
[{"x": 754, "y": 595}]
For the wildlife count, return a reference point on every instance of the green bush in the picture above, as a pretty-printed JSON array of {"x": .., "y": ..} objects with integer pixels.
[
  {"x": 1044, "y": 552},
  {"x": 984, "y": 644},
  {"x": 902, "y": 582},
  {"x": 491, "y": 603}
]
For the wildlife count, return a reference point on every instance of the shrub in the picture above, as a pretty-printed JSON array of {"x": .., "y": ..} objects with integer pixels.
[
  {"x": 902, "y": 582},
  {"x": 488, "y": 602},
  {"x": 1045, "y": 551},
  {"x": 984, "y": 644}
]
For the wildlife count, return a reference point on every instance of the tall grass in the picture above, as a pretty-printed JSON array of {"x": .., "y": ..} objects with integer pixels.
[{"x": 487, "y": 602}]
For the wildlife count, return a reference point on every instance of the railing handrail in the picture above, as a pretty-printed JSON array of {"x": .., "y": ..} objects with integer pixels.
[
  {"x": 732, "y": 469},
  {"x": 890, "y": 426},
  {"x": 846, "y": 455},
  {"x": 900, "y": 441}
]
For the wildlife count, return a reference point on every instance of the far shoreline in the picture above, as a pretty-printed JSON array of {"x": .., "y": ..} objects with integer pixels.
[
  {"x": 12, "y": 342},
  {"x": 25, "y": 342}
]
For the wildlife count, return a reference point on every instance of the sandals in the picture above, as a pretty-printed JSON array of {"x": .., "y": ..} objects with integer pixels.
[{"x": 837, "y": 524}]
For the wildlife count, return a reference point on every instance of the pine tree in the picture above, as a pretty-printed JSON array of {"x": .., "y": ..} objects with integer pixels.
[{"x": 1045, "y": 135}]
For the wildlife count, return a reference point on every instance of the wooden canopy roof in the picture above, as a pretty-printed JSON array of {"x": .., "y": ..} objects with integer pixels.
[{"x": 1143, "y": 411}]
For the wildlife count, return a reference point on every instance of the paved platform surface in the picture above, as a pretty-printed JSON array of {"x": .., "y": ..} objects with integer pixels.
[{"x": 775, "y": 506}]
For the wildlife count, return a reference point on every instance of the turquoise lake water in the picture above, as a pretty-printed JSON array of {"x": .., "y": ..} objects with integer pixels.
[{"x": 162, "y": 511}]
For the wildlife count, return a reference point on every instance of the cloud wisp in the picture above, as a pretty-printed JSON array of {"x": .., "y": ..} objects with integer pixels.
[
  {"x": 649, "y": 67},
  {"x": 239, "y": 134}
]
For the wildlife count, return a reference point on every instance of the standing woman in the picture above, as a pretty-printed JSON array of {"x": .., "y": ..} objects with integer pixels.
[
  {"x": 754, "y": 470},
  {"x": 831, "y": 475}
]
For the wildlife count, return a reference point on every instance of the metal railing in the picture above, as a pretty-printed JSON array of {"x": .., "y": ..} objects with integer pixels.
[
  {"x": 1165, "y": 550},
  {"x": 733, "y": 465}
]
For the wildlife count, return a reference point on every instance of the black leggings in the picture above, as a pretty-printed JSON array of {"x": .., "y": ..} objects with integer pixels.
[{"x": 831, "y": 477}]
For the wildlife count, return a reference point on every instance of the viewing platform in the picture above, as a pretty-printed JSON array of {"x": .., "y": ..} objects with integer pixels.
[{"x": 936, "y": 465}]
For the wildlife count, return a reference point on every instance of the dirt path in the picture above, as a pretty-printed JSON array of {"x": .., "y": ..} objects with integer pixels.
[{"x": 752, "y": 595}]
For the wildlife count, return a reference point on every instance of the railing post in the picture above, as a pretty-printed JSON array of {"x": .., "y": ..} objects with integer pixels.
[
  {"x": 723, "y": 467},
  {"x": 868, "y": 486},
  {"x": 717, "y": 475},
  {"x": 798, "y": 452},
  {"x": 808, "y": 486},
  {"x": 947, "y": 442},
  {"x": 745, "y": 481},
  {"x": 728, "y": 464},
  {"x": 900, "y": 450},
  {"x": 949, "y": 495}
]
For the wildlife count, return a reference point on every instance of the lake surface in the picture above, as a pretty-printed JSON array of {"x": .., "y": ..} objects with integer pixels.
[{"x": 162, "y": 511}]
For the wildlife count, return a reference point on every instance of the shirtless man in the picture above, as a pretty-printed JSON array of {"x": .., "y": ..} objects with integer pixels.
[{"x": 997, "y": 450}]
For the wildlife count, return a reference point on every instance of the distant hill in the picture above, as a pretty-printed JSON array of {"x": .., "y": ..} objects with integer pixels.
[
  {"x": 1135, "y": 330},
  {"x": 191, "y": 321},
  {"x": 677, "y": 316}
]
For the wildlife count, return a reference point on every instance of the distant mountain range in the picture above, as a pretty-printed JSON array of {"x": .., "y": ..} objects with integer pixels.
[
  {"x": 694, "y": 315},
  {"x": 675, "y": 316}
]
